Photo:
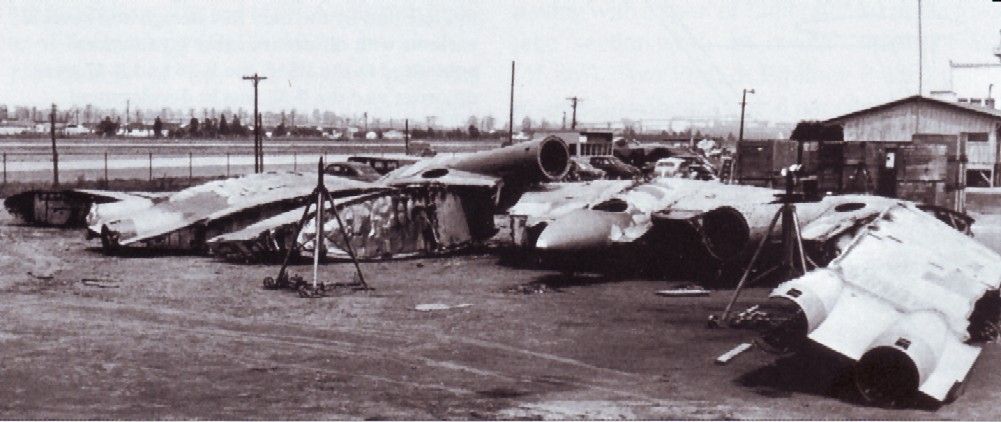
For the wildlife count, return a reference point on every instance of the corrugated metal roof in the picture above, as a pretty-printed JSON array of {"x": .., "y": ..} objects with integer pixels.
[{"x": 991, "y": 112}]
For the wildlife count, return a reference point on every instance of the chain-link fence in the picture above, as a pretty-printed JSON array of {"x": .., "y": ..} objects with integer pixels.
[{"x": 30, "y": 164}]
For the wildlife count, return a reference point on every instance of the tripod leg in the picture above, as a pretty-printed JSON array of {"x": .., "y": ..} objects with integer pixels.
[
  {"x": 747, "y": 271},
  {"x": 762, "y": 275},
  {"x": 298, "y": 229},
  {"x": 318, "y": 243},
  {"x": 347, "y": 241},
  {"x": 799, "y": 240}
]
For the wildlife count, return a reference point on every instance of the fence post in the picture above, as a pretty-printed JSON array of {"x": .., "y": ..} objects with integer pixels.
[
  {"x": 151, "y": 166},
  {"x": 294, "y": 160},
  {"x": 227, "y": 164},
  {"x": 5, "y": 168},
  {"x": 190, "y": 166}
]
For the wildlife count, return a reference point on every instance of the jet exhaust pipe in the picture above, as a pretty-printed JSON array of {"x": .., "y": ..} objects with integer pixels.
[
  {"x": 722, "y": 233},
  {"x": 901, "y": 359},
  {"x": 796, "y": 308},
  {"x": 545, "y": 160}
]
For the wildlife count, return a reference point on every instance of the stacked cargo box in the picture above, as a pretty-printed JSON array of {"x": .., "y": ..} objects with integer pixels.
[{"x": 759, "y": 162}]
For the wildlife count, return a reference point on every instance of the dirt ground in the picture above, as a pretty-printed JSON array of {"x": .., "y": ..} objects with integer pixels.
[{"x": 179, "y": 337}]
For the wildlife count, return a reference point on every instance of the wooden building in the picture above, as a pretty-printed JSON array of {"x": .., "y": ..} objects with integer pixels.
[
  {"x": 977, "y": 129},
  {"x": 924, "y": 149}
]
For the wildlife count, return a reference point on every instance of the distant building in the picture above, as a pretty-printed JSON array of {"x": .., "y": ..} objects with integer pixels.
[
  {"x": 977, "y": 127},
  {"x": 973, "y": 83},
  {"x": 392, "y": 134},
  {"x": 583, "y": 142}
]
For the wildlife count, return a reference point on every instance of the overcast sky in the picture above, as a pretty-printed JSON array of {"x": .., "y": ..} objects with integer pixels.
[{"x": 637, "y": 59}]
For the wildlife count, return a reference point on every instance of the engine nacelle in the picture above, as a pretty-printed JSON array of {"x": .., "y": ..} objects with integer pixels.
[
  {"x": 901, "y": 359},
  {"x": 797, "y": 307}
]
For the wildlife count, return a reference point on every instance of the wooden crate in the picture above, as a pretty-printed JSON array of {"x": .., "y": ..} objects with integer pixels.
[
  {"x": 924, "y": 192},
  {"x": 922, "y": 162},
  {"x": 763, "y": 159}
]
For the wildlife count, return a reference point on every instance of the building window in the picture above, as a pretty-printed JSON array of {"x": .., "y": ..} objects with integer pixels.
[
  {"x": 978, "y": 178},
  {"x": 975, "y": 101},
  {"x": 963, "y": 100},
  {"x": 976, "y": 137}
]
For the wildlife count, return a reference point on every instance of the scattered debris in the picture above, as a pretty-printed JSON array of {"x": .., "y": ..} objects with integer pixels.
[
  {"x": 99, "y": 282},
  {"x": 41, "y": 276},
  {"x": 306, "y": 289},
  {"x": 439, "y": 306},
  {"x": 689, "y": 290},
  {"x": 751, "y": 318},
  {"x": 728, "y": 356},
  {"x": 531, "y": 288}
]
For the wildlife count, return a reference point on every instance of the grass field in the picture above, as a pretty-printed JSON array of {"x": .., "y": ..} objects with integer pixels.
[{"x": 27, "y": 163}]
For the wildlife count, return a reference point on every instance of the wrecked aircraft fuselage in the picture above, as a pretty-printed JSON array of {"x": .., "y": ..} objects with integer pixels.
[
  {"x": 699, "y": 229},
  {"x": 432, "y": 206},
  {"x": 186, "y": 219},
  {"x": 68, "y": 207},
  {"x": 906, "y": 299},
  {"x": 392, "y": 223}
]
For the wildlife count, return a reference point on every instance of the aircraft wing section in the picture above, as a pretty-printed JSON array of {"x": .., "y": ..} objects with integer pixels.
[
  {"x": 903, "y": 300},
  {"x": 188, "y": 217},
  {"x": 448, "y": 177}
]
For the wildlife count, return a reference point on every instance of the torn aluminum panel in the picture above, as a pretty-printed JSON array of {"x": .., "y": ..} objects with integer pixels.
[
  {"x": 432, "y": 206},
  {"x": 187, "y": 218},
  {"x": 416, "y": 220},
  {"x": 393, "y": 223},
  {"x": 66, "y": 208},
  {"x": 902, "y": 301}
]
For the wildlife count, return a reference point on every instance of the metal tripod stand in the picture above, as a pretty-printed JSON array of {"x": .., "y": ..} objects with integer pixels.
[
  {"x": 792, "y": 246},
  {"x": 321, "y": 194}
]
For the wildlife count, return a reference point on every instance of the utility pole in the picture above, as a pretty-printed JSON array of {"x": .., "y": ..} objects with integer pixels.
[
  {"x": 920, "y": 54},
  {"x": 259, "y": 122},
  {"x": 55, "y": 154},
  {"x": 510, "y": 110},
  {"x": 740, "y": 136},
  {"x": 573, "y": 105},
  {"x": 564, "y": 126},
  {"x": 406, "y": 136},
  {"x": 258, "y": 145}
]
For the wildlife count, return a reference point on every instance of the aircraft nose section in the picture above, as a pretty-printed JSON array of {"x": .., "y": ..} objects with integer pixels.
[{"x": 580, "y": 230}]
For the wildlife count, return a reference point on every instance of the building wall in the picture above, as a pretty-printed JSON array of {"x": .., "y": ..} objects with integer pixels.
[
  {"x": 972, "y": 81},
  {"x": 900, "y": 122}
]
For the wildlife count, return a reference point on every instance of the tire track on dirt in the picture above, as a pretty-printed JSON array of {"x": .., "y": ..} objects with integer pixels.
[{"x": 248, "y": 332}]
